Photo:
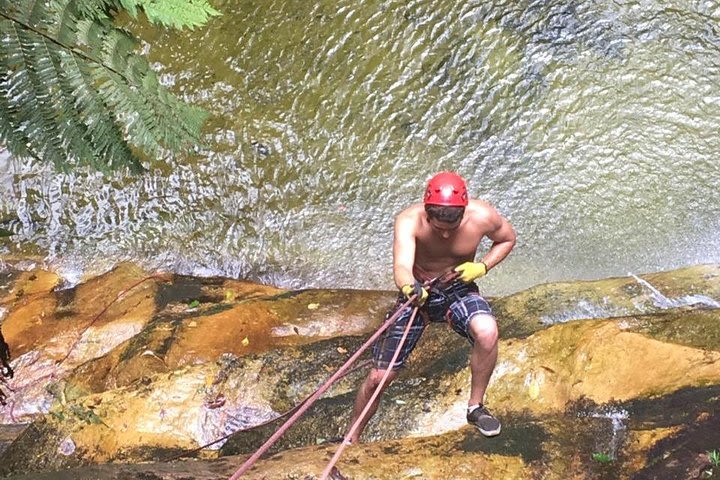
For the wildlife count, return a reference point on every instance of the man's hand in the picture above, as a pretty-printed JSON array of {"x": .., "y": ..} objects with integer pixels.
[
  {"x": 415, "y": 289},
  {"x": 470, "y": 271}
]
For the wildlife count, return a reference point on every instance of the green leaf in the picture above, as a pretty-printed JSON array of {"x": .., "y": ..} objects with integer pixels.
[
  {"x": 714, "y": 457},
  {"x": 58, "y": 415},
  {"x": 173, "y": 13},
  {"x": 602, "y": 457},
  {"x": 74, "y": 91}
]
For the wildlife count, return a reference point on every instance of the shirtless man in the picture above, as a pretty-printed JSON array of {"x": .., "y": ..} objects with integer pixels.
[
  {"x": 5, "y": 370},
  {"x": 441, "y": 235}
]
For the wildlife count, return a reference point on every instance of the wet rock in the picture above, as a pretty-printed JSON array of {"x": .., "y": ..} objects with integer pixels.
[
  {"x": 179, "y": 410},
  {"x": 53, "y": 332},
  {"x": 180, "y": 378},
  {"x": 533, "y": 309},
  {"x": 602, "y": 360},
  {"x": 148, "y": 366},
  {"x": 595, "y": 360},
  {"x": 8, "y": 433}
]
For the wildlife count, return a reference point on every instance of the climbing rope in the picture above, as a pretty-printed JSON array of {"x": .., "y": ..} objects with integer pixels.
[
  {"x": 283, "y": 415},
  {"x": 441, "y": 279},
  {"x": 122, "y": 293},
  {"x": 313, "y": 398},
  {"x": 346, "y": 441}
]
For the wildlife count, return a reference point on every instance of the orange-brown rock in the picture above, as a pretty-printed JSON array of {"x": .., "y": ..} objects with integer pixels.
[{"x": 133, "y": 366}]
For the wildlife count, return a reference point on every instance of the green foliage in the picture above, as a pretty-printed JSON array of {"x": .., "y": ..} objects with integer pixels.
[
  {"x": 714, "y": 457},
  {"x": 58, "y": 414},
  {"x": 602, "y": 457},
  {"x": 85, "y": 414},
  {"x": 74, "y": 91},
  {"x": 173, "y": 13}
]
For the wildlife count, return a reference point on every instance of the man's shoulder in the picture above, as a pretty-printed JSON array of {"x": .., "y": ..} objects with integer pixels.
[
  {"x": 409, "y": 219},
  {"x": 483, "y": 214}
]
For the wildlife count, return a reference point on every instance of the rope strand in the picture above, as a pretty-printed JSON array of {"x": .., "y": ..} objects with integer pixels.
[
  {"x": 441, "y": 279},
  {"x": 378, "y": 389},
  {"x": 293, "y": 409},
  {"x": 270, "y": 441}
]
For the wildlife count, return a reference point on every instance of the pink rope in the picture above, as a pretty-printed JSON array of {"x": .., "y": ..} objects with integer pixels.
[
  {"x": 75, "y": 342},
  {"x": 289, "y": 412},
  {"x": 107, "y": 307},
  {"x": 346, "y": 440},
  {"x": 269, "y": 442}
]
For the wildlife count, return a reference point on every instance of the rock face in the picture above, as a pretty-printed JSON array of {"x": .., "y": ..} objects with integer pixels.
[{"x": 132, "y": 366}]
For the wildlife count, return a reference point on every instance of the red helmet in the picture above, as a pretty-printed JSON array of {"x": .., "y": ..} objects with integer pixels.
[{"x": 447, "y": 189}]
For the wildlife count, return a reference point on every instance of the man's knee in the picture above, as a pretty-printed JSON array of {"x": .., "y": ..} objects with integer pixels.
[
  {"x": 375, "y": 377},
  {"x": 483, "y": 329}
]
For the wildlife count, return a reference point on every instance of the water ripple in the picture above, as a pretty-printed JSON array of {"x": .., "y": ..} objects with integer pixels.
[{"x": 589, "y": 124}]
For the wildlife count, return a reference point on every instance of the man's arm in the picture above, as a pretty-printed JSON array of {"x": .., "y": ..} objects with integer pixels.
[
  {"x": 404, "y": 250},
  {"x": 503, "y": 237}
]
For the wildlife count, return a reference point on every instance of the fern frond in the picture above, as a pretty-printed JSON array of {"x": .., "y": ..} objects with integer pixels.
[
  {"x": 173, "y": 13},
  {"x": 73, "y": 90},
  {"x": 89, "y": 33},
  {"x": 92, "y": 9},
  {"x": 29, "y": 98},
  {"x": 117, "y": 47},
  {"x": 152, "y": 116},
  {"x": 30, "y": 12},
  {"x": 10, "y": 125},
  {"x": 50, "y": 144},
  {"x": 81, "y": 144},
  {"x": 105, "y": 134},
  {"x": 137, "y": 116}
]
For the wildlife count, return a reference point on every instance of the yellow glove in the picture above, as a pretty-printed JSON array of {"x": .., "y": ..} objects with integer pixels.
[
  {"x": 409, "y": 290},
  {"x": 470, "y": 271}
]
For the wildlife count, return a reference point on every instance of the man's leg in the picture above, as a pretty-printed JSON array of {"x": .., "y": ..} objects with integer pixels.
[
  {"x": 471, "y": 316},
  {"x": 483, "y": 328},
  {"x": 383, "y": 352},
  {"x": 483, "y": 358},
  {"x": 364, "y": 393}
]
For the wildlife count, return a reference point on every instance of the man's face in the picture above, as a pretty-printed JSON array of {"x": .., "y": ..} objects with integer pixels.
[{"x": 444, "y": 229}]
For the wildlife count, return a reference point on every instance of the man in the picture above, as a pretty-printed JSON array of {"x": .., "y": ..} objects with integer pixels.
[
  {"x": 443, "y": 234},
  {"x": 5, "y": 370}
]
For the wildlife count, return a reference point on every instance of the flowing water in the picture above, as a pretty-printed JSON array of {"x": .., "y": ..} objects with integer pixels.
[
  {"x": 661, "y": 301},
  {"x": 591, "y": 125}
]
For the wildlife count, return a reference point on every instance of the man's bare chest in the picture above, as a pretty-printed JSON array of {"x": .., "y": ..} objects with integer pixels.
[{"x": 438, "y": 247}]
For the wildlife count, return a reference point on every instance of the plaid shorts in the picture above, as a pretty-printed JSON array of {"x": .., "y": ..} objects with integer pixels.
[{"x": 456, "y": 304}]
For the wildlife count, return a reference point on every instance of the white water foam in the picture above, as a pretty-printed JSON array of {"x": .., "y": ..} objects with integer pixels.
[
  {"x": 617, "y": 417},
  {"x": 586, "y": 310},
  {"x": 661, "y": 301}
]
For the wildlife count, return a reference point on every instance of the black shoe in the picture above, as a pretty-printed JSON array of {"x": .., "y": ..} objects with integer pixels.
[{"x": 483, "y": 420}]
